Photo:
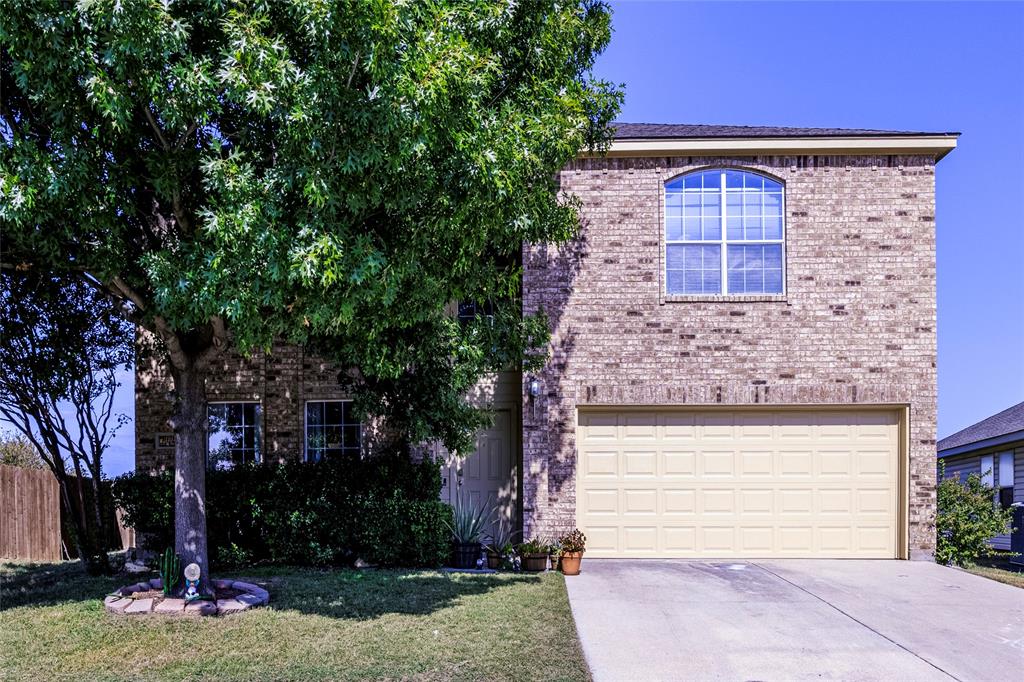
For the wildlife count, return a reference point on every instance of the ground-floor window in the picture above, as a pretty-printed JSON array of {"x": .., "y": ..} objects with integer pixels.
[
  {"x": 234, "y": 434},
  {"x": 332, "y": 430}
]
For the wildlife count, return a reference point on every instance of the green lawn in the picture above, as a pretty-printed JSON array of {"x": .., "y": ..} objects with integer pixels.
[
  {"x": 999, "y": 569},
  {"x": 336, "y": 624}
]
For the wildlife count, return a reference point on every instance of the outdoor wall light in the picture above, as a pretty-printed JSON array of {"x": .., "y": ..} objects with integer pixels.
[{"x": 533, "y": 387}]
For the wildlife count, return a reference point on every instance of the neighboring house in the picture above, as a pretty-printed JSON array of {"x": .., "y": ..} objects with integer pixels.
[
  {"x": 742, "y": 360},
  {"x": 994, "y": 449}
]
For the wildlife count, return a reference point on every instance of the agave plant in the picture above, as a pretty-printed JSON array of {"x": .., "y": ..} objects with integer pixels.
[
  {"x": 501, "y": 535},
  {"x": 468, "y": 521}
]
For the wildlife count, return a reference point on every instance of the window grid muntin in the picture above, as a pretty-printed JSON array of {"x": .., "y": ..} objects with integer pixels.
[
  {"x": 248, "y": 426},
  {"x": 730, "y": 182},
  {"x": 346, "y": 424}
]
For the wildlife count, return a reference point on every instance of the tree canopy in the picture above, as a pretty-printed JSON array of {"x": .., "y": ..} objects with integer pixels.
[
  {"x": 330, "y": 173},
  {"x": 333, "y": 173}
]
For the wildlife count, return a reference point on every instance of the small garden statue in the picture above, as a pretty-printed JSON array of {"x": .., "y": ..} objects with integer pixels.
[{"x": 192, "y": 582}]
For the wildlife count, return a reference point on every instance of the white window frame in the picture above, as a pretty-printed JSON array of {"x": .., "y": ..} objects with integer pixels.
[
  {"x": 723, "y": 242},
  {"x": 305, "y": 425},
  {"x": 1005, "y": 470},
  {"x": 987, "y": 470},
  {"x": 258, "y": 456}
]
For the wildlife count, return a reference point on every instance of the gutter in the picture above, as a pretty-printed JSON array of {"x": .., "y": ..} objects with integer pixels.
[{"x": 936, "y": 146}]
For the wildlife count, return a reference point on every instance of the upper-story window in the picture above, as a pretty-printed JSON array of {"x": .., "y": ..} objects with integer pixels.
[{"x": 724, "y": 221}]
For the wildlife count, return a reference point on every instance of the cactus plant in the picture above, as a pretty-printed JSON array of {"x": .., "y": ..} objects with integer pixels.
[{"x": 170, "y": 571}]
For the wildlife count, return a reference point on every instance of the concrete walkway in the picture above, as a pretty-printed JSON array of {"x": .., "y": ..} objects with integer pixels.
[{"x": 795, "y": 620}]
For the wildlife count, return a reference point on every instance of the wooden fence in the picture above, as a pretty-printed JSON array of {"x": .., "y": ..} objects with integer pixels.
[{"x": 29, "y": 514}]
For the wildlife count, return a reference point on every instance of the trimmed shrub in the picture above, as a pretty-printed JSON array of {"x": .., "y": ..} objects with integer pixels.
[
  {"x": 968, "y": 517},
  {"x": 383, "y": 509}
]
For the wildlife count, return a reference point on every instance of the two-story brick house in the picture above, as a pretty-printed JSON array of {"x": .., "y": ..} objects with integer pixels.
[{"x": 742, "y": 361}]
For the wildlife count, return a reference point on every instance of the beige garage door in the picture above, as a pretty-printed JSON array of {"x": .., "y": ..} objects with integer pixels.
[{"x": 676, "y": 483}]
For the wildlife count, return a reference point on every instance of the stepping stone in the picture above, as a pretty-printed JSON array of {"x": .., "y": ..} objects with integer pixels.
[
  {"x": 252, "y": 599},
  {"x": 246, "y": 587},
  {"x": 139, "y": 606},
  {"x": 226, "y": 606},
  {"x": 170, "y": 606},
  {"x": 201, "y": 608},
  {"x": 116, "y": 604}
]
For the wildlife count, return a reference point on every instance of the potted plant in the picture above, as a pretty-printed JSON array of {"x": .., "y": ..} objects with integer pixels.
[
  {"x": 573, "y": 545},
  {"x": 534, "y": 555},
  {"x": 554, "y": 553},
  {"x": 467, "y": 529},
  {"x": 500, "y": 543}
]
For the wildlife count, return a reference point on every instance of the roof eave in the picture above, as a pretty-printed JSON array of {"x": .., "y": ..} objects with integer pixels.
[
  {"x": 983, "y": 444},
  {"x": 936, "y": 146}
]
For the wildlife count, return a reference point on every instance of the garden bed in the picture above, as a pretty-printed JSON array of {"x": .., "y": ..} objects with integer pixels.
[{"x": 147, "y": 598}]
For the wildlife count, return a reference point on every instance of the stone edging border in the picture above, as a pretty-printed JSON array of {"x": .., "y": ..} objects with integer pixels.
[{"x": 123, "y": 603}]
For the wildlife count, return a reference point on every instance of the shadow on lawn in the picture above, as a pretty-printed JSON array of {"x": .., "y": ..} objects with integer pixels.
[
  {"x": 333, "y": 593},
  {"x": 27, "y": 584},
  {"x": 361, "y": 595}
]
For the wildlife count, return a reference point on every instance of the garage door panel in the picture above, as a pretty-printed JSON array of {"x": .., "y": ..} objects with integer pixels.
[
  {"x": 720, "y": 464},
  {"x": 602, "y": 540},
  {"x": 756, "y": 501},
  {"x": 640, "y": 540},
  {"x": 756, "y": 539},
  {"x": 640, "y": 502},
  {"x": 601, "y": 463},
  {"x": 796, "y": 463},
  {"x": 640, "y": 464},
  {"x": 679, "y": 501},
  {"x": 640, "y": 427},
  {"x": 679, "y": 464},
  {"x": 835, "y": 501},
  {"x": 679, "y": 483},
  {"x": 720, "y": 539},
  {"x": 679, "y": 539},
  {"x": 599, "y": 501}
]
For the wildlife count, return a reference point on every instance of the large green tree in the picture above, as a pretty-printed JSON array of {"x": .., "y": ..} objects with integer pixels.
[{"x": 327, "y": 172}]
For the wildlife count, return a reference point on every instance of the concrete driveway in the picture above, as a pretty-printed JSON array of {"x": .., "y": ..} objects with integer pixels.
[{"x": 795, "y": 620}]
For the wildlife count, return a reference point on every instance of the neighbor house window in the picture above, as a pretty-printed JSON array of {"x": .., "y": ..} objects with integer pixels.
[
  {"x": 1006, "y": 479},
  {"x": 233, "y": 434},
  {"x": 332, "y": 430},
  {"x": 724, "y": 234}
]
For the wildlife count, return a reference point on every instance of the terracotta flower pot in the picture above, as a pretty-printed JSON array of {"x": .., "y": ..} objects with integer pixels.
[
  {"x": 493, "y": 560},
  {"x": 571, "y": 562},
  {"x": 535, "y": 562}
]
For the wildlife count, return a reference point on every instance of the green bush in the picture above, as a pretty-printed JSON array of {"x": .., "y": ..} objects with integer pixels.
[
  {"x": 968, "y": 516},
  {"x": 383, "y": 509}
]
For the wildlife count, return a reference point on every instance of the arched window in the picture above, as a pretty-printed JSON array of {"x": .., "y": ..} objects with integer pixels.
[{"x": 724, "y": 221}]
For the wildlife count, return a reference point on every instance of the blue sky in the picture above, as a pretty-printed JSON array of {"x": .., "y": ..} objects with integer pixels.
[{"x": 913, "y": 66}]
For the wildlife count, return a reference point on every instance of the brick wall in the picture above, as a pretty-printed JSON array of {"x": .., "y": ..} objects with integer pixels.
[
  {"x": 281, "y": 380},
  {"x": 857, "y": 324}
]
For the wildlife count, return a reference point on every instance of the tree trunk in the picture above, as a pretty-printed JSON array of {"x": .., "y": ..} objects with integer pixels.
[{"x": 189, "y": 424}]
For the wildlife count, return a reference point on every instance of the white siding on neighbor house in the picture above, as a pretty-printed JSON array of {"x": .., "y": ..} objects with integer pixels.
[{"x": 963, "y": 466}]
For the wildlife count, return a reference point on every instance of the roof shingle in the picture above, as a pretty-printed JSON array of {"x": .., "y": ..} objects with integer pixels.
[
  {"x": 1008, "y": 421},
  {"x": 641, "y": 131}
]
